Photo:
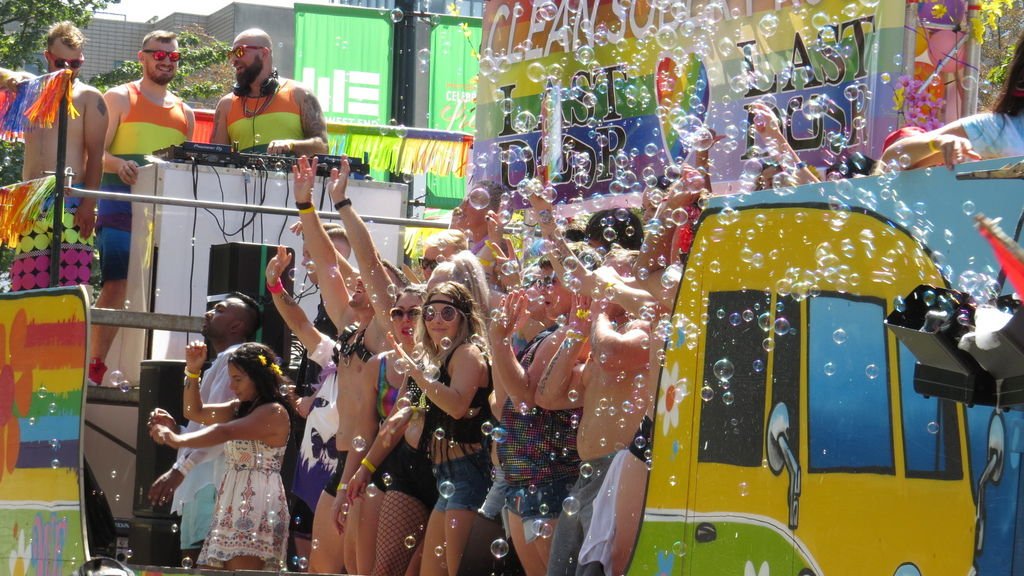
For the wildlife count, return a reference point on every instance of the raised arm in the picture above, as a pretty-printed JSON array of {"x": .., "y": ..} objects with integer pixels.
[
  {"x": 325, "y": 257},
  {"x": 559, "y": 364},
  {"x": 192, "y": 402},
  {"x": 375, "y": 277},
  {"x": 287, "y": 307}
]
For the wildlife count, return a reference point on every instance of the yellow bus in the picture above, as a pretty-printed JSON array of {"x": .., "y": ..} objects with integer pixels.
[{"x": 789, "y": 439}]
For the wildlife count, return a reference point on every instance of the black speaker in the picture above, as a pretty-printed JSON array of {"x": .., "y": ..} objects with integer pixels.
[
  {"x": 154, "y": 542},
  {"x": 240, "y": 267},
  {"x": 159, "y": 387}
]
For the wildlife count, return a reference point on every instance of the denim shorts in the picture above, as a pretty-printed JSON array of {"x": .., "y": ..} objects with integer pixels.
[
  {"x": 495, "y": 501},
  {"x": 114, "y": 247},
  {"x": 537, "y": 501},
  {"x": 471, "y": 477}
]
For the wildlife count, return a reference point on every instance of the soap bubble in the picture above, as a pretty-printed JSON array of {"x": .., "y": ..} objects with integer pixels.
[
  {"x": 397, "y": 15},
  {"x": 479, "y": 198},
  {"x": 724, "y": 369},
  {"x": 768, "y": 25},
  {"x": 446, "y": 489},
  {"x": 359, "y": 444},
  {"x": 499, "y": 548}
]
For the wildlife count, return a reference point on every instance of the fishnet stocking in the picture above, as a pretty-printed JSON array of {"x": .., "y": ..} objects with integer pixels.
[{"x": 401, "y": 516}]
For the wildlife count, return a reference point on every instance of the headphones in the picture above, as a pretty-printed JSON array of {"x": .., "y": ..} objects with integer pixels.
[{"x": 267, "y": 88}]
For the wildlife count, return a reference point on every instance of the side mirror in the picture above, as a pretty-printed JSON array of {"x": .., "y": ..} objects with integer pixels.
[
  {"x": 992, "y": 474},
  {"x": 778, "y": 427},
  {"x": 781, "y": 456}
]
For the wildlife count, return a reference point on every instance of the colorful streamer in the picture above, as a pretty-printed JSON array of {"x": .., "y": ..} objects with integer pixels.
[
  {"x": 408, "y": 151},
  {"x": 22, "y": 204},
  {"x": 35, "y": 104}
]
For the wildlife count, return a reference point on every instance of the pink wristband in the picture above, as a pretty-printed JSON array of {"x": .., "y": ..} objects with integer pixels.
[{"x": 276, "y": 288}]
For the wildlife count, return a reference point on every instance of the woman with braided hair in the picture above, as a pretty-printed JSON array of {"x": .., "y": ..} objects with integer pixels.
[{"x": 250, "y": 523}]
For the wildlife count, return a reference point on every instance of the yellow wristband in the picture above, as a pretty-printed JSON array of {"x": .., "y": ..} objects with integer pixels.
[
  {"x": 307, "y": 210},
  {"x": 342, "y": 487},
  {"x": 369, "y": 466},
  {"x": 191, "y": 375}
]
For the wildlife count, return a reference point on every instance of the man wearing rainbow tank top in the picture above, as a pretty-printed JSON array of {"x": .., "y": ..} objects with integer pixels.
[
  {"x": 144, "y": 117},
  {"x": 264, "y": 113}
]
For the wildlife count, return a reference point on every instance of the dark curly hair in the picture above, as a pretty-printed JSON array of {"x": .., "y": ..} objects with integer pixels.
[{"x": 259, "y": 363}]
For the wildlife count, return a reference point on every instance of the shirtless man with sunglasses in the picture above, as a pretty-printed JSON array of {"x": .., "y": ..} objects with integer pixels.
[{"x": 64, "y": 50}]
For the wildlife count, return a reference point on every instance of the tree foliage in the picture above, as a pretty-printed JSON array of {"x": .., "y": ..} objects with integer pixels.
[
  {"x": 203, "y": 72},
  {"x": 25, "y": 23}
]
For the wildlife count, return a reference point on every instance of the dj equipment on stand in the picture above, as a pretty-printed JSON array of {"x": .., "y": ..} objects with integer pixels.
[{"x": 224, "y": 156}]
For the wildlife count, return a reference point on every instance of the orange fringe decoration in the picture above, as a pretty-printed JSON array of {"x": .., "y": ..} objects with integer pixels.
[
  {"x": 43, "y": 112},
  {"x": 21, "y": 205}
]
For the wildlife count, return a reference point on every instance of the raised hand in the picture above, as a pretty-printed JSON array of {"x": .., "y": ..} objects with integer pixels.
[
  {"x": 277, "y": 265},
  {"x": 513, "y": 306},
  {"x": 195, "y": 356},
  {"x": 339, "y": 181},
  {"x": 304, "y": 172}
]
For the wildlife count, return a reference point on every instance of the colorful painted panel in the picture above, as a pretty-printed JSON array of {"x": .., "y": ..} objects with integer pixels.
[
  {"x": 646, "y": 84},
  {"x": 42, "y": 371}
]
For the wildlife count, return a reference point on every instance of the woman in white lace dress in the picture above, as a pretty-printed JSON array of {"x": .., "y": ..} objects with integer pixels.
[{"x": 250, "y": 522}]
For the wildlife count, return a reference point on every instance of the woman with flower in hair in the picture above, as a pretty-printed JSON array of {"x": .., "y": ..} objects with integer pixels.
[{"x": 250, "y": 523}]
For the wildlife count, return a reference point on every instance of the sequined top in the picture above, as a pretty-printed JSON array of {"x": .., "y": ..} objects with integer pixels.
[{"x": 539, "y": 445}]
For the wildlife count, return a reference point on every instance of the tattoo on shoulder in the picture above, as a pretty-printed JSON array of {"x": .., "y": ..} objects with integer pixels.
[
  {"x": 313, "y": 122},
  {"x": 101, "y": 106}
]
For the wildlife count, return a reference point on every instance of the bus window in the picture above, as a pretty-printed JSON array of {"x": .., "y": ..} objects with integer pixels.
[
  {"x": 732, "y": 420},
  {"x": 931, "y": 441},
  {"x": 786, "y": 364},
  {"x": 849, "y": 421}
]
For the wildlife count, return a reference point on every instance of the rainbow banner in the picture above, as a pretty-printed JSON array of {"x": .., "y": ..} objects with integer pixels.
[
  {"x": 42, "y": 374},
  {"x": 648, "y": 84}
]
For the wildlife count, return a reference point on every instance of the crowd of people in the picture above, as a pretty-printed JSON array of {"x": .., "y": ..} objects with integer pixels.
[{"x": 480, "y": 412}]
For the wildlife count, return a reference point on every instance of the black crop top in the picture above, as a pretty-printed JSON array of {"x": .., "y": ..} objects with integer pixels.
[{"x": 464, "y": 431}]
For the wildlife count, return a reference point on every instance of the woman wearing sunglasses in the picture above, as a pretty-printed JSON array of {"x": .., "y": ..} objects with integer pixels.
[{"x": 455, "y": 380}]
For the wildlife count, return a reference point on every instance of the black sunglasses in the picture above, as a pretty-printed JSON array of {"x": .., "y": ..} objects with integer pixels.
[
  {"x": 428, "y": 263},
  {"x": 411, "y": 313},
  {"x": 448, "y": 313},
  {"x": 65, "y": 63},
  {"x": 161, "y": 55}
]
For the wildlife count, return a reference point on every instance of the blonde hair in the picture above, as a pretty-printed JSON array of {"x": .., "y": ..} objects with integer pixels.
[
  {"x": 465, "y": 268},
  {"x": 447, "y": 241},
  {"x": 159, "y": 36},
  {"x": 67, "y": 33}
]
